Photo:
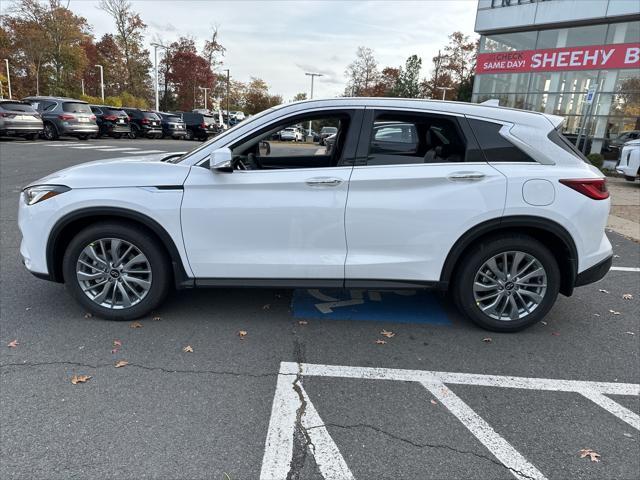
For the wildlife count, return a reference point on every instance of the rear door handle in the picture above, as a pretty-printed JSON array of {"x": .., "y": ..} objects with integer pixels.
[
  {"x": 323, "y": 182},
  {"x": 466, "y": 176}
]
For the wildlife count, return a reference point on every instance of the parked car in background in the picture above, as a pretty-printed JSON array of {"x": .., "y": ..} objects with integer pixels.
[
  {"x": 62, "y": 116},
  {"x": 629, "y": 162},
  {"x": 329, "y": 144},
  {"x": 19, "y": 119},
  {"x": 327, "y": 132},
  {"x": 200, "y": 126},
  {"x": 112, "y": 121},
  {"x": 492, "y": 204},
  {"x": 143, "y": 123},
  {"x": 172, "y": 125},
  {"x": 292, "y": 134},
  {"x": 618, "y": 142}
]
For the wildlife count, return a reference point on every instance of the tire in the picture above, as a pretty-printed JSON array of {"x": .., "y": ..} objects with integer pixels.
[
  {"x": 189, "y": 135},
  {"x": 469, "y": 302},
  {"x": 629, "y": 178},
  {"x": 117, "y": 135},
  {"x": 83, "y": 137},
  {"x": 50, "y": 132},
  {"x": 135, "y": 132},
  {"x": 144, "y": 243}
]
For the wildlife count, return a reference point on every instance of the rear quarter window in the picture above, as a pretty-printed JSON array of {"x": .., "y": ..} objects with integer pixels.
[
  {"x": 495, "y": 147},
  {"x": 563, "y": 142}
]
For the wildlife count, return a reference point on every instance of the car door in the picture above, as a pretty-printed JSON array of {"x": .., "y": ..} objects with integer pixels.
[
  {"x": 283, "y": 220},
  {"x": 412, "y": 198}
]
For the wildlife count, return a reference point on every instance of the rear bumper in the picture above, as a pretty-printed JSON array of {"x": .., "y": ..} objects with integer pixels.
[
  {"x": 19, "y": 131},
  {"x": 595, "y": 273}
]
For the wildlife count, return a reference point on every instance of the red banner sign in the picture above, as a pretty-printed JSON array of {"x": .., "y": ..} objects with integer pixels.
[{"x": 597, "y": 57}]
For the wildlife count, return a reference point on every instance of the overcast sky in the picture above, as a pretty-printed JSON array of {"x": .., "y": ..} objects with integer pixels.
[{"x": 279, "y": 40}]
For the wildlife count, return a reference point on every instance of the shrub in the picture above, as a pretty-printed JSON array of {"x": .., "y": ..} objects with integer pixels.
[{"x": 596, "y": 159}]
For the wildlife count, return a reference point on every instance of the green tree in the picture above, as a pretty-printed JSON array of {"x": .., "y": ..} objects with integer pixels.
[
  {"x": 408, "y": 82},
  {"x": 299, "y": 96}
]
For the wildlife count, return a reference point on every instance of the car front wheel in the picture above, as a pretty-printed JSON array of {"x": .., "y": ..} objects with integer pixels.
[
  {"x": 50, "y": 132},
  {"x": 508, "y": 283},
  {"x": 116, "y": 271}
]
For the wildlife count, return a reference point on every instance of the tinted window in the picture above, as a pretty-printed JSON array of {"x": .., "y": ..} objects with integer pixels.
[
  {"x": 172, "y": 118},
  {"x": 150, "y": 115},
  {"x": 496, "y": 148},
  {"x": 114, "y": 111},
  {"x": 96, "y": 110},
  {"x": 75, "y": 107},
  {"x": 17, "y": 107},
  {"x": 401, "y": 138},
  {"x": 563, "y": 142}
]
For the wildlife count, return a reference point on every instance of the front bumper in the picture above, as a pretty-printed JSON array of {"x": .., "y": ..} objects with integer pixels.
[{"x": 595, "y": 273}]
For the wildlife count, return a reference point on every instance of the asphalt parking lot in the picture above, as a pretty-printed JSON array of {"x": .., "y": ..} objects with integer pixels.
[{"x": 310, "y": 390}]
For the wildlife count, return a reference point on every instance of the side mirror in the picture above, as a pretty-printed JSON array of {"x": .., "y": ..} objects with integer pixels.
[{"x": 221, "y": 160}]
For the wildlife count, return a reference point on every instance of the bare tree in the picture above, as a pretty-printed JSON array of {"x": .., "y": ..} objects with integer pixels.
[{"x": 362, "y": 73}]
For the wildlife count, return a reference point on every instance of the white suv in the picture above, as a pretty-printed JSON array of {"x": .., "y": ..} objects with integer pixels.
[{"x": 492, "y": 204}]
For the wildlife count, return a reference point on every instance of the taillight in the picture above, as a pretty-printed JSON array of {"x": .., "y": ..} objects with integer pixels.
[
  {"x": 92, "y": 117},
  {"x": 203, "y": 125},
  {"x": 595, "y": 188},
  {"x": 144, "y": 120},
  {"x": 111, "y": 118},
  {"x": 66, "y": 116},
  {"x": 7, "y": 115}
]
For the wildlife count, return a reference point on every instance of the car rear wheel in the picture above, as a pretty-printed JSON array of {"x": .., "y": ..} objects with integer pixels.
[
  {"x": 189, "y": 135},
  {"x": 135, "y": 132},
  {"x": 50, "y": 132},
  {"x": 507, "y": 283},
  {"x": 116, "y": 271}
]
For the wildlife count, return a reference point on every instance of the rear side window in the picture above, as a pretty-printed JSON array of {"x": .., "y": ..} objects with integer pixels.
[
  {"x": 208, "y": 119},
  {"x": 17, "y": 107},
  {"x": 76, "y": 107},
  {"x": 96, "y": 110},
  {"x": 563, "y": 142},
  {"x": 496, "y": 148}
]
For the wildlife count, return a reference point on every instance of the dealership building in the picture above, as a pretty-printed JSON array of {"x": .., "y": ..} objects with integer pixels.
[{"x": 576, "y": 58}]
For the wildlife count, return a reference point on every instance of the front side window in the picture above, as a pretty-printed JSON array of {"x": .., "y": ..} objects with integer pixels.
[
  {"x": 286, "y": 145},
  {"x": 406, "y": 138}
]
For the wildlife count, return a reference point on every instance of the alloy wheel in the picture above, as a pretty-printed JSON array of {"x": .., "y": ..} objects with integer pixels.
[
  {"x": 114, "y": 273},
  {"x": 509, "y": 286}
]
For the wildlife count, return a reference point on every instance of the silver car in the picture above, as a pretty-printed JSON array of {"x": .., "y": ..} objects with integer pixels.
[
  {"x": 19, "y": 119},
  {"x": 65, "y": 117}
]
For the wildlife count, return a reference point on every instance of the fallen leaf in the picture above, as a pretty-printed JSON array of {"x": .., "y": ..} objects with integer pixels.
[
  {"x": 555, "y": 334},
  {"x": 28, "y": 308},
  {"x": 543, "y": 323},
  {"x": 114, "y": 350},
  {"x": 386, "y": 333},
  {"x": 88, "y": 315},
  {"x": 266, "y": 307},
  {"x": 596, "y": 314},
  {"x": 627, "y": 296},
  {"x": 433, "y": 402},
  {"x": 614, "y": 312},
  {"x": 616, "y": 256},
  {"x": 587, "y": 452},
  {"x": 487, "y": 340},
  {"x": 628, "y": 435},
  {"x": 13, "y": 343},
  {"x": 603, "y": 290},
  {"x": 80, "y": 379},
  {"x": 380, "y": 342},
  {"x": 302, "y": 322},
  {"x": 188, "y": 349},
  {"x": 121, "y": 363},
  {"x": 136, "y": 325},
  {"x": 242, "y": 333},
  {"x": 157, "y": 319},
  {"x": 629, "y": 333},
  {"x": 117, "y": 343}
]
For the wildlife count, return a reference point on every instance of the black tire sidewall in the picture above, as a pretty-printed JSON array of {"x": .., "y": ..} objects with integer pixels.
[
  {"x": 471, "y": 263},
  {"x": 144, "y": 241}
]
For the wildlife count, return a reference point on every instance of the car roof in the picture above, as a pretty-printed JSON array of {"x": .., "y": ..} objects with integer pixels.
[
  {"x": 489, "y": 111},
  {"x": 65, "y": 99}
]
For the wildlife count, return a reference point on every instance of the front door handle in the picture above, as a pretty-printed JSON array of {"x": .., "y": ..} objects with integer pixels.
[
  {"x": 466, "y": 176},
  {"x": 323, "y": 182}
]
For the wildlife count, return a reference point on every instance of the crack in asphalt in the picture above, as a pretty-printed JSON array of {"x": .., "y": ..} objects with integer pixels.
[
  {"x": 423, "y": 445},
  {"x": 143, "y": 367}
]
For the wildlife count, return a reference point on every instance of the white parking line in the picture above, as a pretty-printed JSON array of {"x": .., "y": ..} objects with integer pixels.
[
  {"x": 148, "y": 151},
  {"x": 626, "y": 269},
  {"x": 117, "y": 149},
  {"x": 291, "y": 399},
  {"x": 62, "y": 144},
  {"x": 91, "y": 147}
]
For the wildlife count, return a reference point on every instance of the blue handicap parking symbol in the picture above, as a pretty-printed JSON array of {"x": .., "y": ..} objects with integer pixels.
[{"x": 396, "y": 306}]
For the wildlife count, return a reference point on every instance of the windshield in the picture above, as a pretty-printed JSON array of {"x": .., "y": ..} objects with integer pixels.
[
  {"x": 76, "y": 107},
  {"x": 17, "y": 107},
  {"x": 206, "y": 145}
]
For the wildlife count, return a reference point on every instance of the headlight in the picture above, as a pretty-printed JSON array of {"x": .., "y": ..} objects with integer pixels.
[{"x": 39, "y": 193}]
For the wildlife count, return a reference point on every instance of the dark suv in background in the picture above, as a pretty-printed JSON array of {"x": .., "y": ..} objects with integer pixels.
[
  {"x": 112, "y": 121},
  {"x": 172, "y": 125},
  {"x": 200, "y": 126},
  {"x": 19, "y": 119},
  {"x": 64, "y": 116},
  {"x": 143, "y": 123}
]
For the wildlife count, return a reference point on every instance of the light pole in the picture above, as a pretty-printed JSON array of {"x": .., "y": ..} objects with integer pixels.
[
  {"x": 101, "y": 80},
  {"x": 205, "y": 95},
  {"x": 155, "y": 62},
  {"x": 444, "y": 90},
  {"x": 228, "y": 115},
  {"x": 6, "y": 62},
  {"x": 312, "y": 75}
]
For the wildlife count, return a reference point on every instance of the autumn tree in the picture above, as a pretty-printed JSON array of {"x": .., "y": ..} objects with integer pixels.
[
  {"x": 187, "y": 72},
  {"x": 362, "y": 74},
  {"x": 257, "y": 97},
  {"x": 299, "y": 96},
  {"x": 386, "y": 86},
  {"x": 129, "y": 37}
]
